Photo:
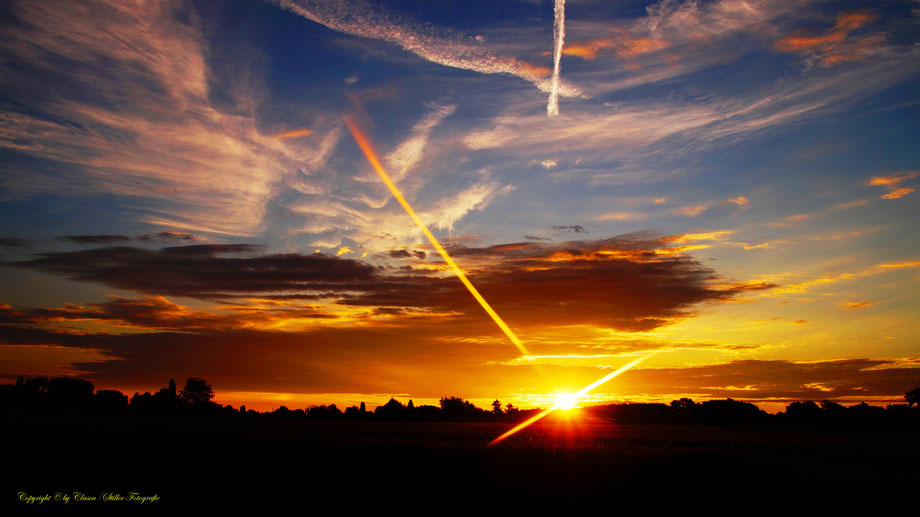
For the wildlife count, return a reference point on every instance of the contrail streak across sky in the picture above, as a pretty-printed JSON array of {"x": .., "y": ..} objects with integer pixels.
[{"x": 552, "y": 107}]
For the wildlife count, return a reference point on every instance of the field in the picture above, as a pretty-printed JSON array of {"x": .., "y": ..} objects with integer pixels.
[{"x": 203, "y": 462}]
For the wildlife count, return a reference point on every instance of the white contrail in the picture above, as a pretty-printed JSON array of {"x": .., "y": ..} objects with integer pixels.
[{"x": 552, "y": 107}]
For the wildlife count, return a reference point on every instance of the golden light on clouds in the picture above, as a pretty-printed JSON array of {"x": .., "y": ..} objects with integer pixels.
[
  {"x": 297, "y": 133},
  {"x": 898, "y": 193}
]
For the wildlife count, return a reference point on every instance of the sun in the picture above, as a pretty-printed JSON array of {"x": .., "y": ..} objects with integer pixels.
[{"x": 566, "y": 400}]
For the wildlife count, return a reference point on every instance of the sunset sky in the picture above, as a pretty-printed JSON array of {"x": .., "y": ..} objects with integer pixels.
[{"x": 731, "y": 183}]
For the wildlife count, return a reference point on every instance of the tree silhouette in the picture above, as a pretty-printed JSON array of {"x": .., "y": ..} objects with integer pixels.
[
  {"x": 496, "y": 407},
  {"x": 196, "y": 391},
  {"x": 913, "y": 397}
]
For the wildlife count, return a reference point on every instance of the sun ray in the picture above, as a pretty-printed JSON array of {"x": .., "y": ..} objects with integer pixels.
[
  {"x": 573, "y": 399},
  {"x": 365, "y": 145}
]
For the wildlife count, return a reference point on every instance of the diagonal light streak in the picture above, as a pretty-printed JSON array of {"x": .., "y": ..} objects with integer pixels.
[
  {"x": 577, "y": 394},
  {"x": 365, "y": 145}
]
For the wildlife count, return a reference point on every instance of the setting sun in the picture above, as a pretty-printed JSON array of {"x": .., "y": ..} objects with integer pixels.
[{"x": 566, "y": 400}]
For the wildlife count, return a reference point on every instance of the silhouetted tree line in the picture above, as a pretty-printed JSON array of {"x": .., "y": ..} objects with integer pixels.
[{"x": 70, "y": 395}]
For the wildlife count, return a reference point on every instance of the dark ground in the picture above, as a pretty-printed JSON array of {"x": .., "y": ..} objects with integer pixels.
[{"x": 435, "y": 468}]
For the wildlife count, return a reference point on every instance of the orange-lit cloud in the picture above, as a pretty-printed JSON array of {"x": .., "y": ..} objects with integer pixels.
[
  {"x": 623, "y": 45},
  {"x": 856, "y": 305},
  {"x": 893, "y": 180},
  {"x": 587, "y": 49},
  {"x": 893, "y": 184},
  {"x": 704, "y": 236},
  {"x": 623, "y": 216},
  {"x": 833, "y": 47},
  {"x": 832, "y": 278},
  {"x": 691, "y": 211},
  {"x": 532, "y": 71},
  {"x": 767, "y": 244},
  {"x": 296, "y": 133},
  {"x": 898, "y": 193}
]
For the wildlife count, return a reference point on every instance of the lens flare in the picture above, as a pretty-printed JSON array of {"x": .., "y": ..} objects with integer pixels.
[
  {"x": 566, "y": 401},
  {"x": 573, "y": 399},
  {"x": 365, "y": 145},
  {"x": 563, "y": 403}
]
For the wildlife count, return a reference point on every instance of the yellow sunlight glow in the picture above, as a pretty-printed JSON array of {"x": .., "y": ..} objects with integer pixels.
[
  {"x": 365, "y": 146},
  {"x": 574, "y": 398},
  {"x": 566, "y": 401}
]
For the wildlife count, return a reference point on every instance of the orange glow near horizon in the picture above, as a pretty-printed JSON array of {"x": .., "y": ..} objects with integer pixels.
[
  {"x": 569, "y": 401},
  {"x": 365, "y": 145}
]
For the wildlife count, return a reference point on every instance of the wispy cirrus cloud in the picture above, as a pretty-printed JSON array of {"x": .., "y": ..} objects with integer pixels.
[
  {"x": 130, "y": 113},
  {"x": 409, "y": 153},
  {"x": 439, "y": 45}
]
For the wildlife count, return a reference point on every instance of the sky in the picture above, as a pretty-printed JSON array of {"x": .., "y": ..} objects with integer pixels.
[{"x": 729, "y": 184}]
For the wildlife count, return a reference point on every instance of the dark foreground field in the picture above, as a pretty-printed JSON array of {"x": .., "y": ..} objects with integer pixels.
[{"x": 198, "y": 462}]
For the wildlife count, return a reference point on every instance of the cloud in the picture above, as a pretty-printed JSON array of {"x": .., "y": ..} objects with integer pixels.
[
  {"x": 91, "y": 240},
  {"x": 573, "y": 228},
  {"x": 409, "y": 153},
  {"x": 406, "y": 254},
  {"x": 296, "y": 133},
  {"x": 95, "y": 239},
  {"x": 631, "y": 282},
  {"x": 436, "y": 44},
  {"x": 893, "y": 180},
  {"x": 158, "y": 313},
  {"x": 130, "y": 114},
  {"x": 623, "y": 216},
  {"x": 834, "y": 46},
  {"x": 893, "y": 184},
  {"x": 691, "y": 211},
  {"x": 450, "y": 210},
  {"x": 856, "y": 305},
  {"x": 168, "y": 237},
  {"x": 202, "y": 271},
  {"x": 717, "y": 235},
  {"x": 15, "y": 242},
  {"x": 898, "y": 193},
  {"x": 622, "y": 44},
  {"x": 877, "y": 269},
  {"x": 766, "y": 379}
]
